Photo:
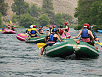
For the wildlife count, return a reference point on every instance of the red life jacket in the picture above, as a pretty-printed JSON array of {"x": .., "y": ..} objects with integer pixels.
[
  {"x": 90, "y": 38},
  {"x": 67, "y": 29},
  {"x": 61, "y": 32}
]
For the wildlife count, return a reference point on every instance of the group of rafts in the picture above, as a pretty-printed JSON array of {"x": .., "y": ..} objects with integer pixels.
[
  {"x": 65, "y": 48},
  {"x": 9, "y": 30}
]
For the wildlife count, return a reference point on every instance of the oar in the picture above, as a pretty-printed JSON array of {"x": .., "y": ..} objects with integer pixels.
[
  {"x": 40, "y": 45},
  {"x": 0, "y": 30},
  {"x": 99, "y": 43}
]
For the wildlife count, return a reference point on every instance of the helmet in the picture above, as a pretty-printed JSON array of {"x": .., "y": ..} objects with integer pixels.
[
  {"x": 34, "y": 26},
  {"x": 50, "y": 27},
  {"x": 40, "y": 26},
  {"x": 54, "y": 26},
  {"x": 86, "y": 25},
  {"x": 29, "y": 26},
  {"x": 65, "y": 23},
  {"x": 54, "y": 30}
]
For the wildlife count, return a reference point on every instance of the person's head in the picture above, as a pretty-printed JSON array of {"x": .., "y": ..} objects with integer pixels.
[
  {"x": 89, "y": 28},
  {"x": 54, "y": 26},
  {"x": 34, "y": 26},
  {"x": 65, "y": 23},
  {"x": 40, "y": 27},
  {"x": 86, "y": 25},
  {"x": 61, "y": 26},
  {"x": 31, "y": 26},
  {"x": 8, "y": 24},
  {"x": 50, "y": 27}
]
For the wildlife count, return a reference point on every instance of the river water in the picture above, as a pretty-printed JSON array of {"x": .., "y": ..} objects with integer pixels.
[{"x": 20, "y": 59}]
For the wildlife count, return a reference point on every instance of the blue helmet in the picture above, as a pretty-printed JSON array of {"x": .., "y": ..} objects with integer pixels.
[
  {"x": 54, "y": 30},
  {"x": 29, "y": 26},
  {"x": 40, "y": 26}
]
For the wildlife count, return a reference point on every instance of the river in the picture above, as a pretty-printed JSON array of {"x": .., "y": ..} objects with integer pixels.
[{"x": 20, "y": 59}]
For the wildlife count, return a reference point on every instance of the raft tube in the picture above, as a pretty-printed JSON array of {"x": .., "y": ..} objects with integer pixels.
[{"x": 21, "y": 36}]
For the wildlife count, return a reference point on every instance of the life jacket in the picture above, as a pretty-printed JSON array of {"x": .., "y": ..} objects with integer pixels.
[
  {"x": 29, "y": 29},
  {"x": 51, "y": 37},
  {"x": 90, "y": 38},
  {"x": 61, "y": 32},
  {"x": 67, "y": 29},
  {"x": 33, "y": 32},
  {"x": 13, "y": 28},
  {"x": 3, "y": 28},
  {"x": 85, "y": 33}
]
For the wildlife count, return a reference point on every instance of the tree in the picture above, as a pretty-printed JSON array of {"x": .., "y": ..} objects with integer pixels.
[
  {"x": 3, "y": 7},
  {"x": 26, "y": 20},
  {"x": 44, "y": 20},
  {"x": 59, "y": 19},
  {"x": 34, "y": 11},
  {"x": 1, "y": 23},
  {"x": 89, "y": 11},
  {"x": 20, "y": 7},
  {"x": 67, "y": 17},
  {"x": 47, "y": 6}
]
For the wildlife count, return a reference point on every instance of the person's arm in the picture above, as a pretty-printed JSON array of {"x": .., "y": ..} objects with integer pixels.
[
  {"x": 38, "y": 32},
  {"x": 58, "y": 38},
  {"x": 78, "y": 35}
]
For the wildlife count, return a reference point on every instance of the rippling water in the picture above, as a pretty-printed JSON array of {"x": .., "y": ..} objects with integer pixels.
[{"x": 20, "y": 59}]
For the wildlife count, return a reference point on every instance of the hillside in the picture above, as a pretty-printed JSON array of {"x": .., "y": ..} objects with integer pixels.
[{"x": 62, "y": 6}]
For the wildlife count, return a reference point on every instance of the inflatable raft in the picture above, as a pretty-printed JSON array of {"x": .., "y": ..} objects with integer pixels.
[
  {"x": 21, "y": 36},
  {"x": 100, "y": 31},
  {"x": 69, "y": 47},
  {"x": 8, "y": 32},
  {"x": 67, "y": 36},
  {"x": 38, "y": 39}
]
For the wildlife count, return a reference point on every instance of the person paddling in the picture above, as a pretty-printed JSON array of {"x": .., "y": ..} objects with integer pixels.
[
  {"x": 66, "y": 27},
  {"x": 52, "y": 39},
  {"x": 33, "y": 32},
  {"x": 41, "y": 30},
  {"x": 85, "y": 34},
  {"x": 91, "y": 41}
]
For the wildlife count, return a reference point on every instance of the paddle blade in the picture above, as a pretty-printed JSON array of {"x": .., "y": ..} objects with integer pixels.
[
  {"x": 40, "y": 45},
  {"x": 98, "y": 43},
  {"x": 0, "y": 30}
]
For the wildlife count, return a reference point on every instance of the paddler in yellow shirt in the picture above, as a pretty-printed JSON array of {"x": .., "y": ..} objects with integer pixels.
[{"x": 34, "y": 32}]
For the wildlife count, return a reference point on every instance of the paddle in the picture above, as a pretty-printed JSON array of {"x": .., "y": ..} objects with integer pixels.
[
  {"x": 40, "y": 45},
  {"x": 99, "y": 43},
  {"x": 0, "y": 30}
]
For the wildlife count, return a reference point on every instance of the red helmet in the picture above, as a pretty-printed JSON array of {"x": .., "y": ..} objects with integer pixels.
[
  {"x": 54, "y": 26},
  {"x": 65, "y": 23},
  {"x": 86, "y": 25},
  {"x": 8, "y": 24},
  {"x": 34, "y": 26}
]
